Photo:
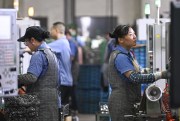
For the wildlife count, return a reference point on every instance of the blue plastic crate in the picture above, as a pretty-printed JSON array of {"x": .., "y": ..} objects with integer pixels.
[
  {"x": 89, "y": 77},
  {"x": 89, "y": 72},
  {"x": 137, "y": 54},
  {"x": 142, "y": 54},
  {"x": 136, "y": 51},
  {"x": 104, "y": 96},
  {"x": 143, "y": 65},
  {"x": 88, "y": 108},
  {"x": 142, "y": 49},
  {"x": 143, "y": 41},
  {"x": 88, "y": 96},
  {"x": 138, "y": 42},
  {"x": 91, "y": 84},
  {"x": 142, "y": 59}
]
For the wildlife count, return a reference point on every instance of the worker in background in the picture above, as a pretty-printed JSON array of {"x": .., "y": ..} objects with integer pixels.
[
  {"x": 42, "y": 75},
  {"x": 108, "y": 49},
  {"x": 75, "y": 73},
  {"x": 77, "y": 36},
  {"x": 61, "y": 47},
  {"x": 124, "y": 75}
]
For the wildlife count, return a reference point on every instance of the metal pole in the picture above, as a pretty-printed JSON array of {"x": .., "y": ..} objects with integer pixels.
[
  {"x": 111, "y": 14},
  {"x": 158, "y": 15},
  {"x": 69, "y": 11}
]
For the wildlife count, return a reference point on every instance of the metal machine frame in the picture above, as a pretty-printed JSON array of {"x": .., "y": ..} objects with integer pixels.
[{"x": 9, "y": 61}]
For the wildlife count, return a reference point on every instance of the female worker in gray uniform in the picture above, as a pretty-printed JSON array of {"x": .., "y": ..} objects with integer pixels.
[
  {"x": 42, "y": 75},
  {"x": 125, "y": 77}
]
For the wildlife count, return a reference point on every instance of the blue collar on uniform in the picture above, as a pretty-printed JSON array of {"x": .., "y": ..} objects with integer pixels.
[
  {"x": 63, "y": 37},
  {"x": 121, "y": 49},
  {"x": 42, "y": 46}
]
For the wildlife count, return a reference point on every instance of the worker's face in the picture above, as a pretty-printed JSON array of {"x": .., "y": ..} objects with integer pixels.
[
  {"x": 30, "y": 43},
  {"x": 53, "y": 33},
  {"x": 130, "y": 39},
  {"x": 68, "y": 36},
  {"x": 26, "y": 42}
]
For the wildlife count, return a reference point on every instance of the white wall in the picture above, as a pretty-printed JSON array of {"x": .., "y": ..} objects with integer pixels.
[
  {"x": 1, "y": 4},
  {"x": 127, "y": 11},
  {"x": 164, "y": 9},
  {"x": 53, "y": 9},
  {"x": 6, "y": 3}
]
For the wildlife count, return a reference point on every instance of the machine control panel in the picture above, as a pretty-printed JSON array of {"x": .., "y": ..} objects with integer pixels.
[{"x": 8, "y": 53}]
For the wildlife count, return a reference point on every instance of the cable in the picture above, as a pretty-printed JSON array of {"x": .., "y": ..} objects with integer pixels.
[{"x": 166, "y": 106}]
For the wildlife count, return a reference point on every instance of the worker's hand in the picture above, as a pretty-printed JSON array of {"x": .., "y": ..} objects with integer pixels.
[
  {"x": 168, "y": 66},
  {"x": 145, "y": 70},
  {"x": 165, "y": 74},
  {"x": 28, "y": 50},
  {"x": 22, "y": 90}
]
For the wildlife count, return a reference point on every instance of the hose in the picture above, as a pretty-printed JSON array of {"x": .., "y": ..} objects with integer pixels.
[{"x": 166, "y": 106}]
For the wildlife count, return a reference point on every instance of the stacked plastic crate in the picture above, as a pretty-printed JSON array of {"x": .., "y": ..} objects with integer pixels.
[
  {"x": 104, "y": 96},
  {"x": 140, "y": 53},
  {"x": 89, "y": 89}
]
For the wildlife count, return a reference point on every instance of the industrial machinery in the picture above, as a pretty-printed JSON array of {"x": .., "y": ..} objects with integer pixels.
[
  {"x": 9, "y": 61},
  {"x": 155, "y": 103},
  {"x": 174, "y": 52},
  {"x": 150, "y": 105},
  {"x": 156, "y": 48},
  {"x": 13, "y": 58},
  {"x": 8, "y": 53},
  {"x": 157, "y": 60},
  {"x": 24, "y": 57}
]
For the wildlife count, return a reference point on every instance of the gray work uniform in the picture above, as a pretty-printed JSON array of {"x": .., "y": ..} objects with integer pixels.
[
  {"x": 124, "y": 94},
  {"x": 46, "y": 89}
]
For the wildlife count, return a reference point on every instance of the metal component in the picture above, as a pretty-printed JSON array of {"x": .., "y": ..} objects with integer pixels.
[
  {"x": 157, "y": 49},
  {"x": 153, "y": 93},
  {"x": 8, "y": 53},
  {"x": 64, "y": 111}
]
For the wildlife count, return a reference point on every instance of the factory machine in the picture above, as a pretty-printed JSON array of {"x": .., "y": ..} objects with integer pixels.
[
  {"x": 155, "y": 102},
  {"x": 14, "y": 59},
  {"x": 9, "y": 61},
  {"x": 24, "y": 56},
  {"x": 157, "y": 57}
]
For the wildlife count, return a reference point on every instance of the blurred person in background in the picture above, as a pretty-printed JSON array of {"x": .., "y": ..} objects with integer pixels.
[
  {"x": 77, "y": 36},
  {"x": 108, "y": 49},
  {"x": 75, "y": 72},
  {"x": 61, "y": 47}
]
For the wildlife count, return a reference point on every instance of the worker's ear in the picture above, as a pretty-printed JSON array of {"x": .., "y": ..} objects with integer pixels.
[
  {"x": 120, "y": 40},
  {"x": 57, "y": 30},
  {"x": 32, "y": 40}
]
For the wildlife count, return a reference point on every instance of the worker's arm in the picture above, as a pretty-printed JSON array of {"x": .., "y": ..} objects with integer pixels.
[
  {"x": 26, "y": 79},
  {"x": 145, "y": 78}
]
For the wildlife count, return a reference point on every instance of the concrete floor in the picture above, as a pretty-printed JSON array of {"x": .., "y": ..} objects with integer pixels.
[
  {"x": 86, "y": 117},
  {"x": 82, "y": 117},
  {"x": 92, "y": 117}
]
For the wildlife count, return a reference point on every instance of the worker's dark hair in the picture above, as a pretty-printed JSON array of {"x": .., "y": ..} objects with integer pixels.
[
  {"x": 68, "y": 32},
  {"x": 57, "y": 23},
  {"x": 60, "y": 26},
  {"x": 119, "y": 32}
]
